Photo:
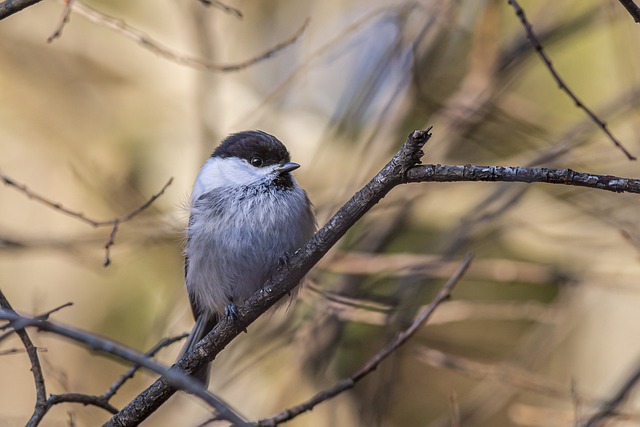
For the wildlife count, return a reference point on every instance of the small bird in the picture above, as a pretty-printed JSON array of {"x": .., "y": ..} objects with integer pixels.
[{"x": 247, "y": 215}]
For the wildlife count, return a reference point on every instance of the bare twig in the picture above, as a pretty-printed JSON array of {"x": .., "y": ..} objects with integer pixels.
[
  {"x": 561, "y": 84},
  {"x": 228, "y": 9},
  {"x": 165, "y": 342},
  {"x": 114, "y": 223},
  {"x": 9, "y": 7},
  {"x": 171, "y": 376},
  {"x": 372, "y": 364},
  {"x": 609, "y": 409},
  {"x": 440, "y": 173},
  {"x": 66, "y": 15},
  {"x": 632, "y": 8},
  {"x": 36, "y": 368},
  {"x": 154, "y": 46}
]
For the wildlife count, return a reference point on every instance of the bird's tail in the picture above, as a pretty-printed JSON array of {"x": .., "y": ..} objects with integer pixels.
[{"x": 202, "y": 327}]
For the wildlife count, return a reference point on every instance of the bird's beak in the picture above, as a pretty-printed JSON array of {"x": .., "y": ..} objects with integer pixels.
[{"x": 287, "y": 167}]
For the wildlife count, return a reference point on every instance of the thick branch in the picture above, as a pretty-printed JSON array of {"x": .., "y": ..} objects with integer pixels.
[
  {"x": 440, "y": 173},
  {"x": 632, "y": 8},
  {"x": 9, "y": 7},
  {"x": 283, "y": 281}
]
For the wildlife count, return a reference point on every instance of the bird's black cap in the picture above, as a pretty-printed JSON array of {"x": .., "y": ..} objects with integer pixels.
[{"x": 253, "y": 143}]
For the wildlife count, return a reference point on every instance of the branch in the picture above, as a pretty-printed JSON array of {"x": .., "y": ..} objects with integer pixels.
[
  {"x": 632, "y": 8},
  {"x": 443, "y": 173},
  {"x": 610, "y": 407},
  {"x": 169, "y": 375},
  {"x": 154, "y": 46},
  {"x": 224, "y": 7},
  {"x": 36, "y": 368},
  {"x": 9, "y": 7},
  {"x": 561, "y": 84},
  {"x": 165, "y": 342},
  {"x": 285, "y": 279},
  {"x": 114, "y": 223},
  {"x": 66, "y": 15},
  {"x": 372, "y": 364}
]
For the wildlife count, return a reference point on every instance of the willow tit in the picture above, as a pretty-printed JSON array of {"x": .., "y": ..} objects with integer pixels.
[{"x": 247, "y": 214}]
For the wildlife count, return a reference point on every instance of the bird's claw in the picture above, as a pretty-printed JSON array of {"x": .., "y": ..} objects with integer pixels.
[{"x": 233, "y": 314}]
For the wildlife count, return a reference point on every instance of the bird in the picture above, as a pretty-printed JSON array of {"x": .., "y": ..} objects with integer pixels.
[{"x": 247, "y": 215}]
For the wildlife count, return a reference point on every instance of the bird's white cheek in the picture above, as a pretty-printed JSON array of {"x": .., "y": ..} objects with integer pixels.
[{"x": 225, "y": 172}]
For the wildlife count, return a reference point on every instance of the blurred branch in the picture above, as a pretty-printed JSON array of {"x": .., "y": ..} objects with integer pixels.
[
  {"x": 372, "y": 364},
  {"x": 499, "y": 372},
  {"x": 283, "y": 281},
  {"x": 228, "y": 9},
  {"x": 149, "y": 43},
  {"x": 9, "y": 7},
  {"x": 444, "y": 173},
  {"x": 632, "y": 8},
  {"x": 561, "y": 84},
  {"x": 610, "y": 407},
  {"x": 114, "y": 223},
  {"x": 66, "y": 15}
]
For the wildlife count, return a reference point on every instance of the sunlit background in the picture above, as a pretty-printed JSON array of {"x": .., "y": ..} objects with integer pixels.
[{"x": 545, "y": 325}]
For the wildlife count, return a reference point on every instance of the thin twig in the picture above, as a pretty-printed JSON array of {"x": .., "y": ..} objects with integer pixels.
[
  {"x": 609, "y": 409},
  {"x": 36, "y": 368},
  {"x": 228, "y": 9},
  {"x": 114, "y": 223},
  {"x": 374, "y": 362},
  {"x": 561, "y": 84},
  {"x": 172, "y": 376},
  {"x": 632, "y": 8},
  {"x": 165, "y": 342},
  {"x": 158, "y": 48},
  {"x": 66, "y": 15}
]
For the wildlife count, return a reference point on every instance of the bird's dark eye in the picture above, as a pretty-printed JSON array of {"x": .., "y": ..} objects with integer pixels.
[{"x": 256, "y": 161}]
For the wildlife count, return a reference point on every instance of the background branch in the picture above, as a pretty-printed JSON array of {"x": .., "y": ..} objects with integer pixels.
[
  {"x": 156, "y": 47},
  {"x": 113, "y": 223},
  {"x": 372, "y": 364},
  {"x": 531, "y": 35}
]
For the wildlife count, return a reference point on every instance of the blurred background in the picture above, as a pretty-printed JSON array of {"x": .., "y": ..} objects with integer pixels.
[{"x": 544, "y": 326}]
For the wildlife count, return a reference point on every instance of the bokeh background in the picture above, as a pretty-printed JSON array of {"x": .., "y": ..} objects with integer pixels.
[{"x": 541, "y": 330}]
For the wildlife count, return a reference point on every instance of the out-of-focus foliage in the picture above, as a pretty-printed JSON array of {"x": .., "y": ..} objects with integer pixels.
[{"x": 99, "y": 123}]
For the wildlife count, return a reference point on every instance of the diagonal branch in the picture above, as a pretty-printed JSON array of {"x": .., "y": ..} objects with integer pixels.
[
  {"x": 285, "y": 279},
  {"x": 531, "y": 35},
  {"x": 348, "y": 383},
  {"x": 610, "y": 407},
  {"x": 9, "y": 7},
  {"x": 632, "y": 8}
]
